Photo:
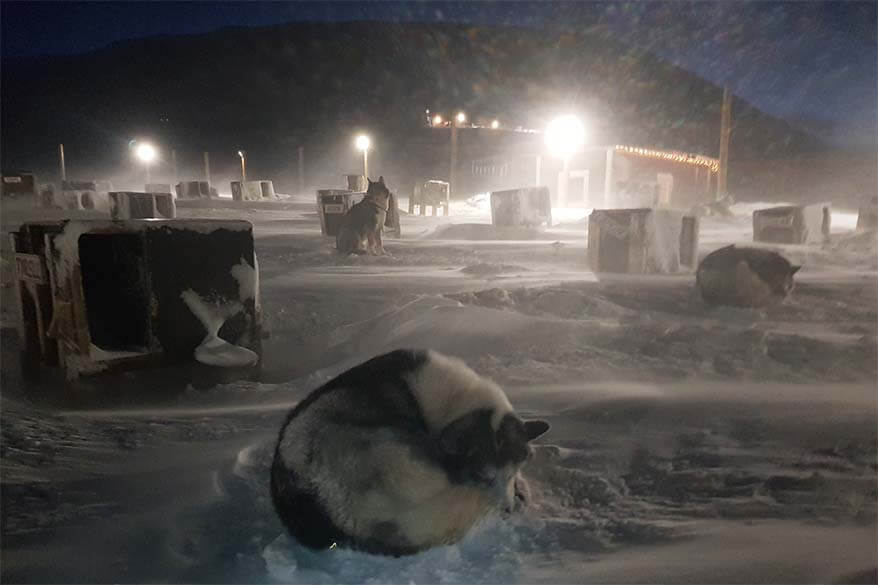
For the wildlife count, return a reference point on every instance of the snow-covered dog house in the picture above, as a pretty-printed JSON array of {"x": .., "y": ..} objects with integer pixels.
[
  {"x": 134, "y": 205},
  {"x": 158, "y": 188},
  {"x": 195, "y": 190},
  {"x": 332, "y": 204},
  {"x": 20, "y": 184},
  {"x": 356, "y": 183},
  {"x": 642, "y": 241},
  {"x": 99, "y": 294},
  {"x": 431, "y": 193},
  {"x": 253, "y": 190},
  {"x": 267, "y": 188},
  {"x": 867, "y": 219},
  {"x": 792, "y": 224},
  {"x": 529, "y": 206}
]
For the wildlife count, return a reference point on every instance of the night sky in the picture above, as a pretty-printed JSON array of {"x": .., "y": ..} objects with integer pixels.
[{"x": 812, "y": 63}]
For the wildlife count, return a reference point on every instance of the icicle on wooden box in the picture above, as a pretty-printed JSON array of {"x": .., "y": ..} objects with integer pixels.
[{"x": 98, "y": 295}]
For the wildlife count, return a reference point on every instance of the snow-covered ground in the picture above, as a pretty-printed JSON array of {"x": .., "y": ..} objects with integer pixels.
[{"x": 688, "y": 444}]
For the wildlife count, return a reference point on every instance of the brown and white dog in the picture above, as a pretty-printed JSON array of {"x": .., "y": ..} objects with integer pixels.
[{"x": 361, "y": 227}]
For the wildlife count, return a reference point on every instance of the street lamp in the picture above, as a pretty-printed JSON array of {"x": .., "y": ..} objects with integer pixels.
[
  {"x": 243, "y": 165},
  {"x": 460, "y": 117},
  {"x": 362, "y": 142},
  {"x": 495, "y": 124},
  {"x": 565, "y": 136},
  {"x": 437, "y": 120},
  {"x": 146, "y": 153}
]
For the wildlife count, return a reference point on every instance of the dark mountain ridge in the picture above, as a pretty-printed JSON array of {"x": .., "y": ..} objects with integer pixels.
[{"x": 272, "y": 89}]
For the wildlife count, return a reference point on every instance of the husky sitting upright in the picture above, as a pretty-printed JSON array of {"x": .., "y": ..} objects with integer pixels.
[
  {"x": 402, "y": 453},
  {"x": 744, "y": 277},
  {"x": 361, "y": 227}
]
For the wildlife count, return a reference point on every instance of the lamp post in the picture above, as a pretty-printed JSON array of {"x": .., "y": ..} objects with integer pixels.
[
  {"x": 243, "y": 156},
  {"x": 146, "y": 153},
  {"x": 565, "y": 136},
  {"x": 362, "y": 142}
]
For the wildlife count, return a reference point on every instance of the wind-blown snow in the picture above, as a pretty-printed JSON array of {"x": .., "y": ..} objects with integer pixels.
[{"x": 689, "y": 444}]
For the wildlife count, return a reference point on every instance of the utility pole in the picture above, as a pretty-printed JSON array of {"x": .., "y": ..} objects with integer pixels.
[
  {"x": 453, "y": 163},
  {"x": 207, "y": 167},
  {"x": 301, "y": 170},
  {"x": 725, "y": 131},
  {"x": 63, "y": 166},
  {"x": 174, "y": 164}
]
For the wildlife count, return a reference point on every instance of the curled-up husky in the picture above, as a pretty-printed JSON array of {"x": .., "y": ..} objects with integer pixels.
[
  {"x": 361, "y": 227},
  {"x": 402, "y": 453},
  {"x": 744, "y": 277}
]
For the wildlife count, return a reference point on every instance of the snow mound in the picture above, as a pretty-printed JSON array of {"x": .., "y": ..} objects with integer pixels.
[
  {"x": 483, "y": 231},
  {"x": 491, "y": 268}
]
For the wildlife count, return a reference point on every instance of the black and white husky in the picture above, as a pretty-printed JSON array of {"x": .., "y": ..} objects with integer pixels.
[{"x": 402, "y": 453}]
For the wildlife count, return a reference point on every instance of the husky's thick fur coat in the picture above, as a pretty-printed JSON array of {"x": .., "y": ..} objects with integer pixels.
[
  {"x": 402, "y": 453},
  {"x": 744, "y": 277},
  {"x": 361, "y": 228}
]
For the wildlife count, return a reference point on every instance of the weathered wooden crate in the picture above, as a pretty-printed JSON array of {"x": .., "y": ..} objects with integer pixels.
[
  {"x": 135, "y": 205},
  {"x": 267, "y": 188},
  {"x": 356, "y": 183},
  {"x": 194, "y": 190},
  {"x": 792, "y": 224},
  {"x": 91, "y": 200},
  {"x": 18, "y": 184},
  {"x": 642, "y": 241},
  {"x": 432, "y": 193},
  {"x": 867, "y": 219},
  {"x": 158, "y": 188},
  {"x": 332, "y": 204},
  {"x": 247, "y": 190},
  {"x": 529, "y": 206},
  {"x": 100, "y": 295}
]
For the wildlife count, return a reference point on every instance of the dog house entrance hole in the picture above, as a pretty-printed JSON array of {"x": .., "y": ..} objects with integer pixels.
[{"x": 115, "y": 286}]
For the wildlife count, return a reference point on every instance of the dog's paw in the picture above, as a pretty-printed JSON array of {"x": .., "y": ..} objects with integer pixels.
[{"x": 522, "y": 493}]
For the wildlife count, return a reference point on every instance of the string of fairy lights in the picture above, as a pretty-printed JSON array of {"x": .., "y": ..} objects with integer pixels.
[
  {"x": 459, "y": 120},
  {"x": 671, "y": 155}
]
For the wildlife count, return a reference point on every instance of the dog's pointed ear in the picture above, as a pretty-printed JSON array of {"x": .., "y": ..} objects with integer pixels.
[
  {"x": 794, "y": 269},
  {"x": 535, "y": 428},
  {"x": 381, "y": 179}
]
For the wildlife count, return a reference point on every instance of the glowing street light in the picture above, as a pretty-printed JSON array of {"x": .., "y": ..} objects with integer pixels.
[
  {"x": 146, "y": 153},
  {"x": 243, "y": 156},
  {"x": 495, "y": 124},
  {"x": 362, "y": 142},
  {"x": 565, "y": 136},
  {"x": 437, "y": 120},
  {"x": 460, "y": 117}
]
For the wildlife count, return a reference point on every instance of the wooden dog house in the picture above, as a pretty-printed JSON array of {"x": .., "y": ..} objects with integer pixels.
[
  {"x": 528, "y": 206},
  {"x": 642, "y": 241},
  {"x": 96, "y": 295}
]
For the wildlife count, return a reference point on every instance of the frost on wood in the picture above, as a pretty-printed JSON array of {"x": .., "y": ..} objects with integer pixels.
[{"x": 215, "y": 351}]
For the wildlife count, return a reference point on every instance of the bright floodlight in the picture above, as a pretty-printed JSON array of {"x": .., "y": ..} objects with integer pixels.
[
  {"x": 363, "y": 142},
  {"x": 461, "y": 117},
  {"x": 495, "y": 124},
  {"x": 437, "y": 120},
  {"x": 145, "y": 152},
  {"x": 565, "y": 135},
  {"x": 241, "y": 154}
]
